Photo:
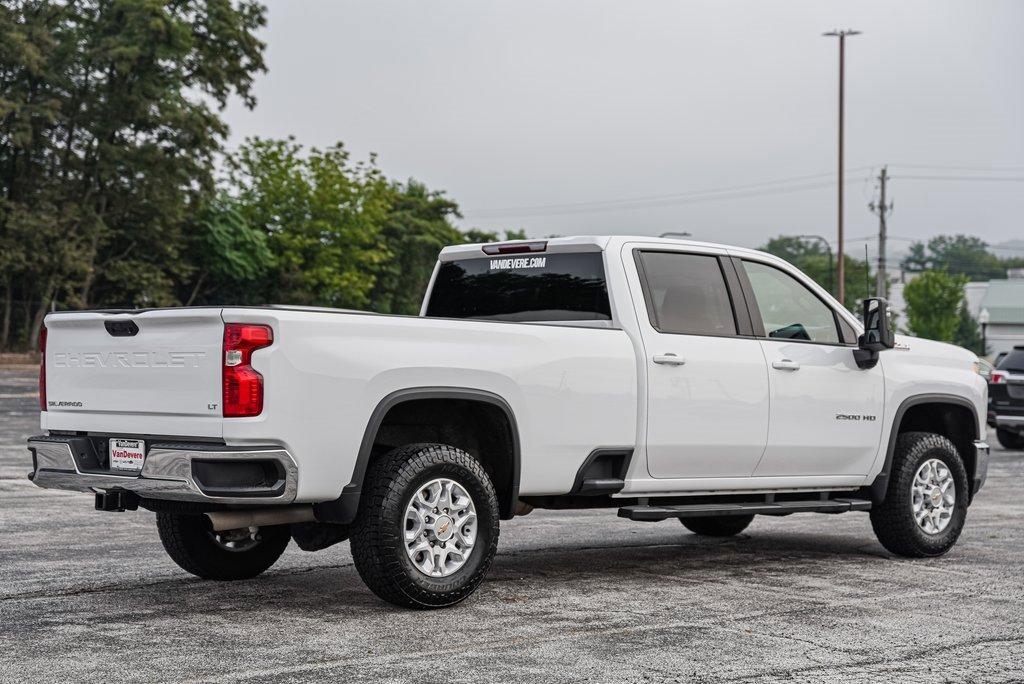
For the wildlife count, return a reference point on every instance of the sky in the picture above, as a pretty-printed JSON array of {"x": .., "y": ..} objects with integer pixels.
[{"x": 709, "y": 117}]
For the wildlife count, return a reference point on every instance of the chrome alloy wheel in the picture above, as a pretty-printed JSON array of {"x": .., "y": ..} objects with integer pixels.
[
  {"x": 440, "y": 527},
  {"x": 933, "y": 496}
]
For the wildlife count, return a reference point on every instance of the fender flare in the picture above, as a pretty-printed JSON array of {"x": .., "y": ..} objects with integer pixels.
[
  {"x": 880, "y": 484},
  {"x": 344, "y": 508}
]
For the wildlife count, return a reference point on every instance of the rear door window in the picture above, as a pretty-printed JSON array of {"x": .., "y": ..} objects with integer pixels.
[
  {"x": 559, "y": 287},
  {"x": 686, "y": 294}
]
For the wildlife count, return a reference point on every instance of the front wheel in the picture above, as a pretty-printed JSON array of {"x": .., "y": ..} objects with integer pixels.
[
  {"x": 1010, "y": 440},
  {"x": 427, "y": 526},
  {"x": 191, "y": 542},
  {"x": 925, "y": 507}
]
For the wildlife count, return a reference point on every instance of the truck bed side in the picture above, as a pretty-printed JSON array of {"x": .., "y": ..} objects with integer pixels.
[{"x": 571, "y": 389}]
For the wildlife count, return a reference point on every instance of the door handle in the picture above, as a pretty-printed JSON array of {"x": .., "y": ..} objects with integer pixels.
[
  {"x": 669, "y": 359},
  {"x": 786, "y": 364}
]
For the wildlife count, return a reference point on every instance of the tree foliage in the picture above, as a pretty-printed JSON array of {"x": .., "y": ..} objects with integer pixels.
[
  {"x": 108, "y": 132},
  {"x": 227, "y": 255},
  {"x": 338, "y": 232},
  {"x": 935, "y": 302},
  {"x": 811, "y": 257},
  {"x": 964, "y": 255},
  {"x": 322, "y": 215},
  {"x": 968, "y": 332}
]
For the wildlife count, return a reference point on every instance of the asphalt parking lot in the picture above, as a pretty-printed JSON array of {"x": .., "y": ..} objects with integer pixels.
[{"x": 572, "y": 596}]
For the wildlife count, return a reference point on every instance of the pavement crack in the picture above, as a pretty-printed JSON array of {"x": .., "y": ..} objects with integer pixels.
[
  {"x": 787, "y": 673},
  {"x": 112, "y": 589}
]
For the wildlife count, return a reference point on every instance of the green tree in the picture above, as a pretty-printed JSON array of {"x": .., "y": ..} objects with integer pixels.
[
  {"x": 109, "y": 126},
  {"x": 934, "y": 302},
  {"x": 323, "y": 216},
  {"x": 957, "y": 254},
  {"x": 228, "y": 256},
  {"x": 478, "y": 235},
  {"x": 968, "y": 332},
  {"x": 811, "y": 258},
  {"x": 416, "y": 227}
]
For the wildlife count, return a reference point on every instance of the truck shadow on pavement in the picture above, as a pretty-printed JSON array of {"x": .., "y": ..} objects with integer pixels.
[{"x": 538, "y": 573}]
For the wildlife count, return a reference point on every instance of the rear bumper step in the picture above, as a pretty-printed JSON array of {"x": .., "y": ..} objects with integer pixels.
[
  {"x": 175, "y": 472},
  {"x": 655, "y": 513}
]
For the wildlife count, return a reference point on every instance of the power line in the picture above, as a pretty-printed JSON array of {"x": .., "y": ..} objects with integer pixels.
[
  {"x": 652, "y": 198},
  {"x": 783, "y": 190},
  {"x": 990, "y": 169},
  {"x": 669, "y": 199},
  {"x": 904, "y": 238},
  {"x": 1012, "y": 179}
]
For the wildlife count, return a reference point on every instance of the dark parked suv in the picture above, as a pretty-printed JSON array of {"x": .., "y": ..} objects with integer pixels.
[{"x": 1006, "y": 399}]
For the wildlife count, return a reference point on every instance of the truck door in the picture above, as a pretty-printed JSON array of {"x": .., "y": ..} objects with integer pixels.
[
  {"x": 826, "y": 413},
  {"x": 707, "y": 380}
]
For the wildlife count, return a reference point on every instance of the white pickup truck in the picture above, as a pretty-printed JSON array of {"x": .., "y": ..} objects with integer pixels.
[{"x": 667, "y": 379}]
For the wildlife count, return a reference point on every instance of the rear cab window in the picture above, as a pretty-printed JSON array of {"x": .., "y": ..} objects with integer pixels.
[{"x": 555, "y": 287}]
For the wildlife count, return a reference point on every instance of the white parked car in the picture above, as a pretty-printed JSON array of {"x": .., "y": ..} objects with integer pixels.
[{"x": 664, "y": 378}]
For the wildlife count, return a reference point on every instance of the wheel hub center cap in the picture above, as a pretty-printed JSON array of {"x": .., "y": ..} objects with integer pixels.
[
  {"x": 444, "y": 528},
  {"x": 936, "y": 497}
]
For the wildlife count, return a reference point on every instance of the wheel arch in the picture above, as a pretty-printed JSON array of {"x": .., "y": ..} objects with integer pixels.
[
  {"x": 939, "y": 413},
  {"x": 461, "y": 404}
]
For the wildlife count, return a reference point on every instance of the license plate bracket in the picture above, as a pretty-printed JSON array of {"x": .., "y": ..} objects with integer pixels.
[{"x": 127, "y": 455}]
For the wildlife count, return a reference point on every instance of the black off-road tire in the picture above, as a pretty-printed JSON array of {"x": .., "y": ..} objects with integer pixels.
[
  {"x": 378, "y": 533},
  {"x": 189, "y": 541},
  {"x": 718, "y": 525},
  {"x": 1009, "y": 439},
  {"x": 893, "y": 519}
]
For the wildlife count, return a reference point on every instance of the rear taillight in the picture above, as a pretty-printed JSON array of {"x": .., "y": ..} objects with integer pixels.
[
  {"x": 997, "y": 378},
  {"x": 243, "y": 386},
  {"x": 42, "y": 368}
]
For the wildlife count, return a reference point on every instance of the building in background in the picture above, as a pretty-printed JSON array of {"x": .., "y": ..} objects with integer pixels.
[
  {"x": 1004, "y": 304},
  {"x": 1002, "y": 299}
]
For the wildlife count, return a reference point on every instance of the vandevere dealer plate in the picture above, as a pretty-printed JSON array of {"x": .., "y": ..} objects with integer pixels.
[{"x": 127, "y": 454}]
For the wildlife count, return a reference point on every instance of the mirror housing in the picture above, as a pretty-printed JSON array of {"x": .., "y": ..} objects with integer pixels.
[{"x": 878, "y": 334}]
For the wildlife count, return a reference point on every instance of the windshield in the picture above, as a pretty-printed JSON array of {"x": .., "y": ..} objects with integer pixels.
[{"x": 524, "y": 288}]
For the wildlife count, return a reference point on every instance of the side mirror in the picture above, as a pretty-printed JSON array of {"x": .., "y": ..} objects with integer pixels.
[{"x": 878, "y": 334}]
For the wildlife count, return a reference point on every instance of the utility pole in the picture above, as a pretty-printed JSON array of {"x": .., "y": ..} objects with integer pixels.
[
  {"x": 883, "y": 210},
  {"x": 841, "y": 35}
]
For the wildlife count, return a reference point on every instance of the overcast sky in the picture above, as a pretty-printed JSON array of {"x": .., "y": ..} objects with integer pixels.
[{"x": 542, "y": 115}]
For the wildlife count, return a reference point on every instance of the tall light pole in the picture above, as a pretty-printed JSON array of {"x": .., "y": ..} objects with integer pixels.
[
  {"x": 841, "y": 35},
  {"x": 983, "y": 319}
]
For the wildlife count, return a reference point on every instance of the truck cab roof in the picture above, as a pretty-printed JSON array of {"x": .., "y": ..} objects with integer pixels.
[{"x": 585, "y": 243}]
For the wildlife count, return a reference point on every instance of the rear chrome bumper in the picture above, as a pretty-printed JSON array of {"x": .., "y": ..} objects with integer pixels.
[
  {"x": 981, "y": 451},
  {"x": 1012, "y": 422},
  {"x": 167, "y": 473}
]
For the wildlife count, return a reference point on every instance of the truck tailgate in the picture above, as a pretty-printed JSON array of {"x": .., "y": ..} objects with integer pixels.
[{"x": 152, "y": 372}]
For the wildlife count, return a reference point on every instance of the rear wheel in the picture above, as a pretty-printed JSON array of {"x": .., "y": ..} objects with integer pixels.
[
  {"x": 427, "y": 526},
  {"x": 718, "y": 526},
  {"x": 1010, "y": 440},
  {"x": 191, "y": 542},
  {"x": 925, "y": 507}
]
